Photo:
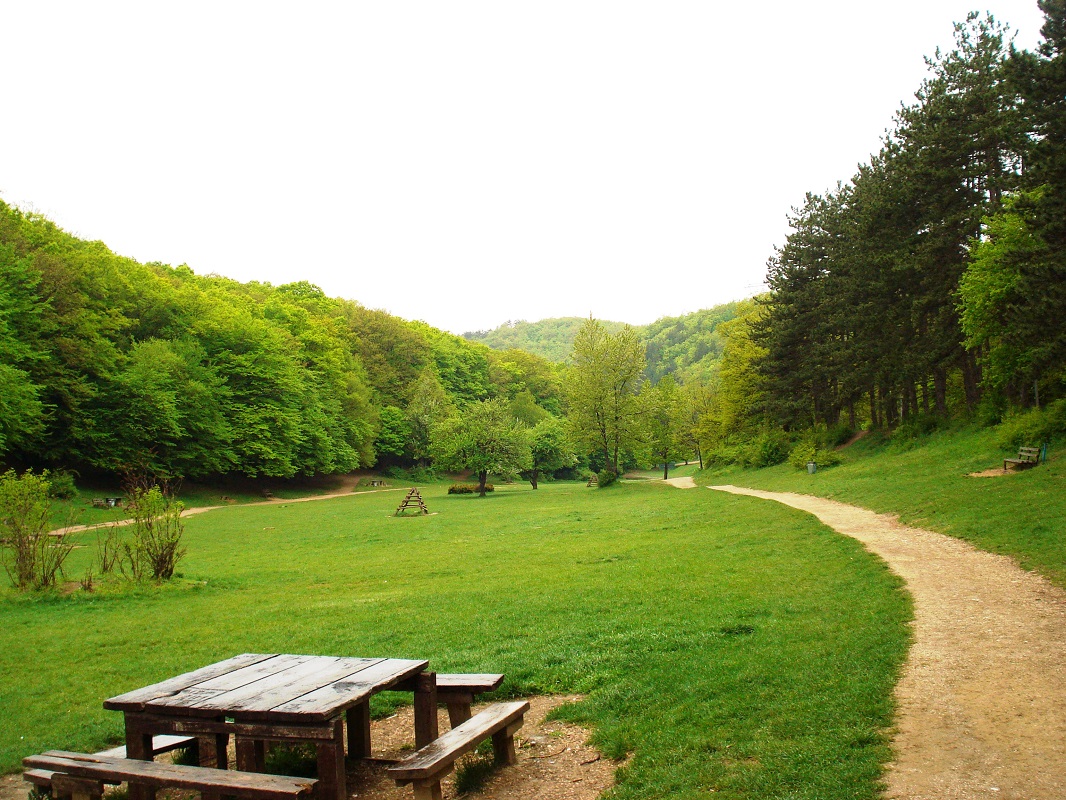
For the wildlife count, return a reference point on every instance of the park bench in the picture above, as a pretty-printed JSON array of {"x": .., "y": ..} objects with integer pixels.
[
  {"x": 458, "y": 691},
  {"x": 425, "y": 767},
  {"x": 163, "y": 743},
  {"x": 81, "y": 776},
  {"x": 1027, "y": 457}
]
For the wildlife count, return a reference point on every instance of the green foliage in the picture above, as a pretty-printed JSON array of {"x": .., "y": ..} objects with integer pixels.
[
  {"x": 552, "y": 339},
  {"x": 155, "y": 547},
  {"x": 469, "y": 488},
  {"x": 485, "y": 438},
  {"x": 806, "y": 451},
  {"x": 602, "y": 388},
  {"x": 298, "y": 760},
  {"x": 1034, "y": 427},
  {"x": 32, "y": 558},
  {"x": 605, "y": 477},
  {"x": 60, "y": 484},
  {"x": 688, "y": 347},
  {"x": 550, "y": 450}
]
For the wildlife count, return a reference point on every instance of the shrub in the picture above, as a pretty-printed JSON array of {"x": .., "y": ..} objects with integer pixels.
[
  {"x": 806, "y": 451},
  {"x": 155, "y": 548},
  {"x": 1033, "y": 427},
  {"x": 61, "y": 484},
  {"x": 767, "y": 449},
  {"x": 469, "y": 488},
  {"x": 605, "y": 477},
  {"x": 32, "y": 557}
]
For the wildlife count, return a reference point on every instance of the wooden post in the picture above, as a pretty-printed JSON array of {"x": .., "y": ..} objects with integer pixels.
[
  {"x": 139, "y": 746},
  {"x": 332, "y": 781},
  {"x": 358, "y": 720},
  {"x": 425, "y": 708}
]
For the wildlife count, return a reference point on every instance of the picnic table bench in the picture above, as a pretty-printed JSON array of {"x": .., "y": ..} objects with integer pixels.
[
  {"x": 424, "y": 768},
  {"x": 106, "y": 502},
  {"x": 1027, "y": 457},
  {"x": 81, "y": 776}
]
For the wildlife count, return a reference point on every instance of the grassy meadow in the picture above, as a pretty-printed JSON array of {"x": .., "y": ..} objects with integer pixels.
[
  {"x": 928, "y": 483},
  {"x": 723, "y": 643}
]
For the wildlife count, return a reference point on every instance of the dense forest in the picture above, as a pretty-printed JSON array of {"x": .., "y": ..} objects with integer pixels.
[
  {"x": 929, "y": 287},
  {"x": 107, "y": 364}
]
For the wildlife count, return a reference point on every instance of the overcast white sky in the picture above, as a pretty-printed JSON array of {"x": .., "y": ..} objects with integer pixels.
[{"x": 464, "y": 163}]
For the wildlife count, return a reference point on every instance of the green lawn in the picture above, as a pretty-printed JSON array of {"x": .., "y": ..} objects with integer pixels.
[
  {"x": 1022, "y": 515},
  {"x": 727, "y": 644}
]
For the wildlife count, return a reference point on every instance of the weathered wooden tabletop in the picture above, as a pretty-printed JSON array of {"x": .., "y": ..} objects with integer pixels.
[{"x": 271, "y": 687}]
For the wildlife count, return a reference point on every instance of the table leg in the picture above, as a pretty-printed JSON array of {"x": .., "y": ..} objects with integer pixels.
[
  {"x": 426, "y": 729},
  {"x": 213, "y": 753},
  {"x": 332, "y": 780},
  {"x": 251, "y": 754},
  {"x": 358, "y": 720},
  {"x": 139, "y": 746}
]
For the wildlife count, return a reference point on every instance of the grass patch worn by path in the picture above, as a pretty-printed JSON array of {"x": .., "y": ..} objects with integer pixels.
[
  {"x": 983, "y": 698},
  {"x": 929, "y": 485},
  {"x": 743, "y": 650}
]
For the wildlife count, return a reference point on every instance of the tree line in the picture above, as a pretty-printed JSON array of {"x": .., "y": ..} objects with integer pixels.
[
  {"x": 933, "y": 283},
  {"x": 114, "y": 366}
]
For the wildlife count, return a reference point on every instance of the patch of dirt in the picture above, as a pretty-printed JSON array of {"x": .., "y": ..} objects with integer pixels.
[
  {"x": 854, "y": 438},
  {"x": 990, "y": 473},
  {"x": 686, "y": 482},
  {"x": 982, "y": 699},
  {"x": 554, "y": 762}
]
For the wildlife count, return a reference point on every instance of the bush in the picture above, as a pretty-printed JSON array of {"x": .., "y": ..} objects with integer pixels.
[
  {"x": 767, "y": 449},
  {"x": 806, "y": 451},
  {"x": 605, "y": 477},
  {"x": 469, "y": 488},
  {"x": 1033, "y": 427},
  {"x": 61, "y": 484},
  {"x": 32, "y": 557},
  {"x": 157, "y": 529}
]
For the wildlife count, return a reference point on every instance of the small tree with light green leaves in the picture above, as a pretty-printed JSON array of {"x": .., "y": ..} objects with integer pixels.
[{"x": 32, "y": 556}]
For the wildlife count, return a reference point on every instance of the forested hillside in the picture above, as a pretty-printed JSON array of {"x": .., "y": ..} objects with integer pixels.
[
  {"x": 111, "y": 365},
  {"x": 552, "y": 339},
  {"x": 688, "y": 347},
  {"x": 928, "y": 288}
]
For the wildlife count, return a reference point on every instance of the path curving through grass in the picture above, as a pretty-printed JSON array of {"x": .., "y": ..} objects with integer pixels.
[{"x": 982, "y": 701}]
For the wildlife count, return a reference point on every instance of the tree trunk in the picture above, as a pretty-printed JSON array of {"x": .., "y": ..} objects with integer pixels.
[
  {"x": 533, "y": 478},
  {"x": 482, "y": 476},
  {"x": 666, "y": 469},
  {"x": 940, "y": 390},
  {"x": 970, "y": 380}
]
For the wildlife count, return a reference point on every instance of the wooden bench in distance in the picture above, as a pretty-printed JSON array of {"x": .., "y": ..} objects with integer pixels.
[
  {"x": 81, "y": 776},
  {"x": 458, "y": 691},
  {"x": 163, "y": 743},
  {"x": 424, "y": 768},
  {"x": 1027, "y": 457}
]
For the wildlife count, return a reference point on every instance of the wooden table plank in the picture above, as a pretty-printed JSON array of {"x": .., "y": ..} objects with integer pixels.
[
  {"x": 194, "y": 699},
  {"x": 334, "y": 698},
  {"x": 136, "y": 700},
  {"x": 284, "y": 686}
]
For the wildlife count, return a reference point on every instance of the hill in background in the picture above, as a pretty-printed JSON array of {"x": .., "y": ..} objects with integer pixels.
[{"x": 688, "y": 346}]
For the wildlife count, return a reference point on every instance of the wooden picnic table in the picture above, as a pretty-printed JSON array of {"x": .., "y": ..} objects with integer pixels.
[{"x": 258, "y": 698}]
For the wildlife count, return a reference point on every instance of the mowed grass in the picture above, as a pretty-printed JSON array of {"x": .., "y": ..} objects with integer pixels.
[
  {"x": 1022, "y": 515},
  {"x": 723, "y": 643}
]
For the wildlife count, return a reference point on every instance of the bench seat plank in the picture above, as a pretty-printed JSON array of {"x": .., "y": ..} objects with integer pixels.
[
  {"x": 158, "y": 775},
  {"x": 439, "y": 754},
  {"x": 474, "y": 683},
  {"x": 163, "y": 743}
]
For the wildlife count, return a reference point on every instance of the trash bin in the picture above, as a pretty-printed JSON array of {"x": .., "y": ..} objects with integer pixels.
[{"x": 812, "y": 467}]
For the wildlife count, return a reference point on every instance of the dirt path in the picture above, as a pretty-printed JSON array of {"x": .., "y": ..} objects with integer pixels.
[
  {"x": 202, "y": 509},
  {"x": 982, "y": 700}
]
